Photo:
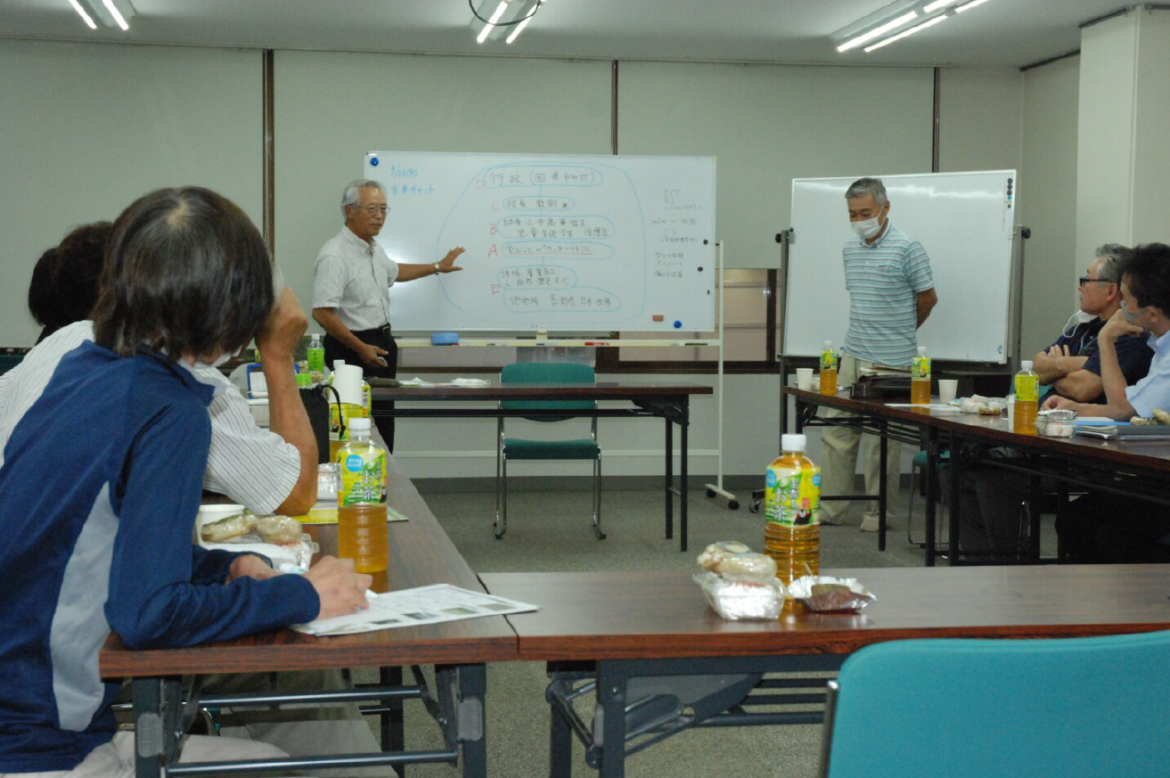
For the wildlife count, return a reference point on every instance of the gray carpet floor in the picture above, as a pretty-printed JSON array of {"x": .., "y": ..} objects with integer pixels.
[{"x": 550, "y": 530}]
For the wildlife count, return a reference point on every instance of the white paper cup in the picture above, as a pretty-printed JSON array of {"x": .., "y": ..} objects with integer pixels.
[
  {"x": 804, "y": 378},
  {"x": 947, "y": 388}
]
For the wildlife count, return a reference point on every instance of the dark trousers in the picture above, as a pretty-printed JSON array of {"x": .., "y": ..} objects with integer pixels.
[{"x": 381, "y": 337}]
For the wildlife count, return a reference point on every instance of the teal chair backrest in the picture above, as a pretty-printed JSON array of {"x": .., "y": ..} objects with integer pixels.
[
  {"x": 545, "y": 373},
  {"x": 1038, "y": 708}
]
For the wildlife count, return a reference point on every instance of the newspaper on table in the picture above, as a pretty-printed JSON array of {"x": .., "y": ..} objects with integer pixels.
[{"x": 414, "y": 607}]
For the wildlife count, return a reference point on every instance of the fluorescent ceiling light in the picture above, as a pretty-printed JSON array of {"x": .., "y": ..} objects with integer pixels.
[
  {"x": 109, "y": 13},
  {"x": 877, "y": 32},
  {"x": 114, "y": 12},
  {"x": 491, "y": 25},
  {"x": 88, "y": 19},
  {"x": 969, "y": 6},
  {"x": 937, "y": 4},
  {"x": 519, "y": 29},
  {"x": 911, "y": 31}
]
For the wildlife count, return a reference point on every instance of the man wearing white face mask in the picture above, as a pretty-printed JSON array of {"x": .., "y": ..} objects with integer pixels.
[{"x": 891, "y": 292}]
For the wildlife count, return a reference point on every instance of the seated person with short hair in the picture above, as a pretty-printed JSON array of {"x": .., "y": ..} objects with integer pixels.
[
  {"x": 65, "y": 279},
  {"x": 101, "y": 483},
  {"x": 1107, "y": 527},
  {"x": 1071, "y": 366},
  {"x": 992, "y": 500}
]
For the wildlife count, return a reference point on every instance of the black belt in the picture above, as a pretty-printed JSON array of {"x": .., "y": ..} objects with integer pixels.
[{"x": 383, "y": 330}]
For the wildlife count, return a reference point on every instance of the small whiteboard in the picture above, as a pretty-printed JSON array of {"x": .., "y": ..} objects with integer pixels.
[
  {"x": 966, "y": 223},
  {"x": 554, "y": 243}
]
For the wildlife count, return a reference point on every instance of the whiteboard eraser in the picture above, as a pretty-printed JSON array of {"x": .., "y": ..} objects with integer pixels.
[
  {"x": 445, "y": 339},
  {"x": 658, "y": 317}
]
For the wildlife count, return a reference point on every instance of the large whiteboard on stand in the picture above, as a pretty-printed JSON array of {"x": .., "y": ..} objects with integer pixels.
[
  {"x": 966, "y": 223},
  {"x": 556, "y": 243}
]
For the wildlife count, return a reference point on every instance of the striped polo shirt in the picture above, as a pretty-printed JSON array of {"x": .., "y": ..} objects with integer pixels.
[{"x": 884, "y": 280}]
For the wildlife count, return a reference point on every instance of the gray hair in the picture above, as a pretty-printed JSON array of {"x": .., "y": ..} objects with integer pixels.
[
  {"x": 1112, "y": 256},
  {"x": 351, "y": 196},
  {"x": 868, "y": 187}
]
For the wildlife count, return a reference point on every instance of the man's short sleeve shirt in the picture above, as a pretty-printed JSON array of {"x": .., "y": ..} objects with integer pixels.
[
  {"x": 884, "y": 280},
  {"x": 354, "y": 277}
]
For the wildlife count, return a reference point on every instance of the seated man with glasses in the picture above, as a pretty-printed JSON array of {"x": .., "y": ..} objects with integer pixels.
[
  {"x": 351, "y": 288},
  {"x": 1109, "y": 527},
  {"x": 992, "y": 500},
  {"x": 1071, "y": 366}
]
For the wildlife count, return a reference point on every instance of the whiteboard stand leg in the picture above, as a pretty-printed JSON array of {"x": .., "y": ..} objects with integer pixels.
[{"x": 717, "y": 487}]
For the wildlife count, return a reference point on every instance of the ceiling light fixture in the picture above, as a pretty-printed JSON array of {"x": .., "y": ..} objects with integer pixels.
[
  {"x": 877, "y": 32},
  {"x": 500, "y": 17},
  {"x": 110, "y": 13},
  {"x": 936, "y": 5},
  {"x": 81, "y": 11},
  {"x": 969, "y": 6},
  {"x": 906, "y": 33}
]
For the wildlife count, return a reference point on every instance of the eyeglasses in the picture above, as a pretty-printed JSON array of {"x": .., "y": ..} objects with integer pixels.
[
  {"x": 374, "y": 210},
  {"x": 1086, "y": 280}
]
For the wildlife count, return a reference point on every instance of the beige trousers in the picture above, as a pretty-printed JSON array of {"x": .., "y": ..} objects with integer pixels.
[
  {"x": 116, "y": 758},
  {"x": 839, "y": 447}
]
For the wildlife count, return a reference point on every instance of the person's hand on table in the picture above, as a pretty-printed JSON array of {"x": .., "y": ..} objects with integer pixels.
[
  {"x": 1056, "y": 402},
  {"x": 447, "y": 263},
  {"x": 283, "y": 329},
  {"x": 372, "y": 355},
  {"x": 342, "y": 591},
  {"x": 250, "y": 566}
]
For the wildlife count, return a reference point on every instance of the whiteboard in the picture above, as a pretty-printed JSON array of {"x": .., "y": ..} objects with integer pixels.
[
  {"x": 557, "y": 243},
  {"x": 965, "y": 221}
]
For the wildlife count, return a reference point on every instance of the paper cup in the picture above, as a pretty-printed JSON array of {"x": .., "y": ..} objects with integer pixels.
[
  {"x": 947, "y": 389},
  {"x": 804, "y": 378}
]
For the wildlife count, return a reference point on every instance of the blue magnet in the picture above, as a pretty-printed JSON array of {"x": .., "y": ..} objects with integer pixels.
[
  {"x": 373, "y": 161},
  {"x": 445, "y": 339},
  {"x": 677, "y": 324}
]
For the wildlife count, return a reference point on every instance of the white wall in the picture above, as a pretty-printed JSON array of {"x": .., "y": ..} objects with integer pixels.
[
  {"x": 1047, "y": 198},
  {"x": 980, "y": 119},
  {"x": 87, "y": 128}
]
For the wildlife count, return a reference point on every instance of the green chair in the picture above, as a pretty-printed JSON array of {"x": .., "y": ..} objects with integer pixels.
[
  {"x": 508, "y": 448},
  {"x": 960, "y": 708}
]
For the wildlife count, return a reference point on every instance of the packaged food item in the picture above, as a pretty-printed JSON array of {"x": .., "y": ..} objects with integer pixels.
[
  {"x": 716, "y": 552},
  {"x": 825, "y": 593},
  {"x": 279, "y": 529},
  {"x": 228, "y": 527},
  {"x": 736, "y": 600}
]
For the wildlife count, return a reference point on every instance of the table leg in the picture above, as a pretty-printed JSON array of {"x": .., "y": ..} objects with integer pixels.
[
  {"x": 393, "y": 730},
  {"x": 560, "y": 745},
  {"x": 932, "y": 456},
  {"x": 883, "y": 485},
  {"x": 956, "y": 468},
  {"x": 157, "y": 706},
  {"x": 684, "y": 424},
  {"x": 611, "y": 697},
  {"x": 472, "y": 734},
  {"x": 669, "y": 479}
]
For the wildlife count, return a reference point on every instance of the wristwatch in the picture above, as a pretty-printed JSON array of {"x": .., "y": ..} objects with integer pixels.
[{"x": 437, "y": 268}]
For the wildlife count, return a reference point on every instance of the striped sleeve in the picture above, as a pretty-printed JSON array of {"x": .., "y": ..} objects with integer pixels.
[
  {"x": 329, "y": 278},
  {"x": 253, "y": 466},
  {"x": 918, "y": 268}
]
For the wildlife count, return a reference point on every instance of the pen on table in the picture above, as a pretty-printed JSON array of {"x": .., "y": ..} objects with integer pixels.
[{"x": 289, "y": 567}]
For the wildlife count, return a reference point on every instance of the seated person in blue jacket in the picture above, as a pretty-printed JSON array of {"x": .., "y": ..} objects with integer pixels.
[
  {"x": 992, "y": 500},
  {"x": 1071, "y": 366},
  {"x": 102, "y": 480},
  {"x": 1108, "y": 527}
]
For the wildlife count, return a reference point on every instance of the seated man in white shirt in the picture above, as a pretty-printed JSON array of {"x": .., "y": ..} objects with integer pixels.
[{"x": 1103, "y": 527}]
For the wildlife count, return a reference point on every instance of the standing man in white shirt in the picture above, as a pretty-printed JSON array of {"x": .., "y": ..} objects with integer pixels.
[{"x": 351, "y": 288}]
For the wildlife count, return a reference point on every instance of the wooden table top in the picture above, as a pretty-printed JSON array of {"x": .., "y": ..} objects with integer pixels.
[
  {"x": 1153, "y": 455},
  {"x": 590, "y": 616},
  {"x": 420, "y": 554},
  {"x": 600, "y": 390}
]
